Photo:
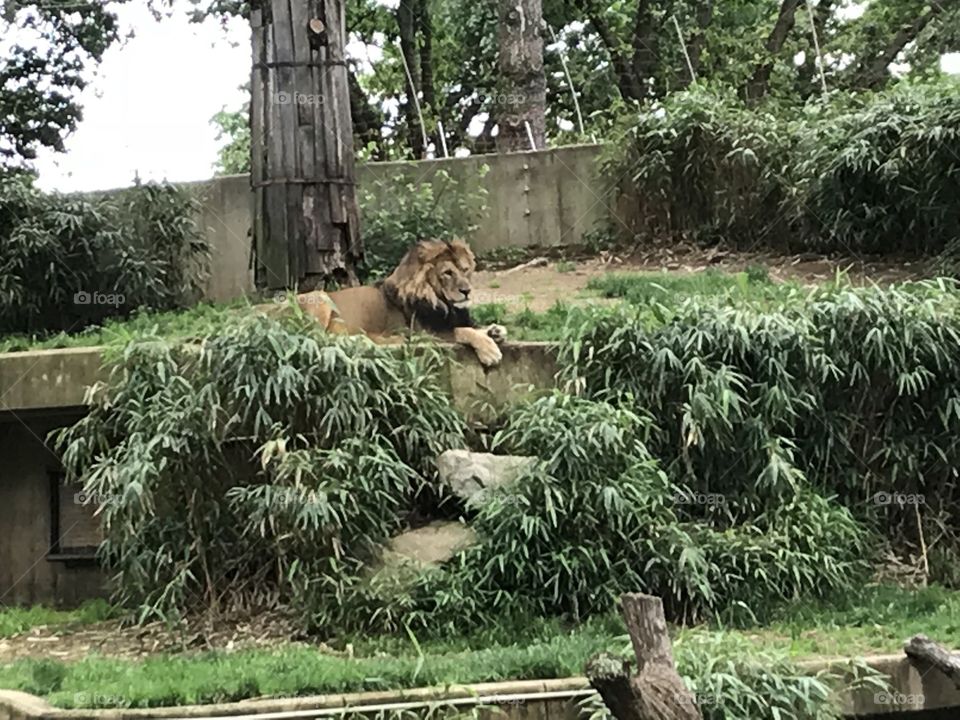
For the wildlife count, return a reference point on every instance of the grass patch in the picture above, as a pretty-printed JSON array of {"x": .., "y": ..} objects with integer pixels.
[
  {"x": 175, "y": 324},
  {"x": 525, "y": 324},
  {"x": 671, "y": 287},
  {"x": 296, "y": 670},
  {"x": 876, "y": 622},
  {"x": 17, "y": 620}
]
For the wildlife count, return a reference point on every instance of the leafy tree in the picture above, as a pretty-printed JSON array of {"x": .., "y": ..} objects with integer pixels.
[{"x": 53, "y": 45}]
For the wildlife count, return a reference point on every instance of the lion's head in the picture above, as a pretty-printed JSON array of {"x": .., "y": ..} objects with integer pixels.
[{"x": 433, "y": 278}]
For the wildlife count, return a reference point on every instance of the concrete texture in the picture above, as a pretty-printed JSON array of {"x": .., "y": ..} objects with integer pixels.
[
  {"x": 28, "y": 573},
  {"x": 516, "y": 700},
  {"x": 542, "y": 198}
]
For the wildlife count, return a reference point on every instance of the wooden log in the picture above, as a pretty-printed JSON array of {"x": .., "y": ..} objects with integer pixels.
[
  {"x": 656, "y": 691},
  {"x": 306, "y": 228},
  {"x": 923, "y": 649}
]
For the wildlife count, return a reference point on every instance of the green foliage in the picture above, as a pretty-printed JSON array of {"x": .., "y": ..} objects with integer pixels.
[
  {"x": 846, "y": 392},
  {"x": 234, "y": 128},
  {"x": 599, "y": 517},
  {"x": 259, "y": 468},
  {"x": 396, "y": 215},
  {"x": 730, "y": 678},
  {"x": 296, "y": 670},
  {"x": 44, "y": 70},
  {"x": 14, "y": 620},
  {"x": 67, "y": 262},
  {"x": 671, "y": 288},
  {"x": 858, "y": 174}
]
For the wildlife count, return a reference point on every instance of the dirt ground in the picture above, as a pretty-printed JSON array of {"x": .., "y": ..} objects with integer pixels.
[
  {"x": 541, "y": 285},
  {"x": 111, "y": 638}
]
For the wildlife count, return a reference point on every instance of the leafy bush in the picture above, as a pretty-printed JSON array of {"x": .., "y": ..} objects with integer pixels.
[
  {"x": 876, "y": 173},
  {"x": 71, "y": 261},
  {"x": 259, "y": 468},
  {"x": 849, "y": 392},
  {"x": 397, "y": 215}
]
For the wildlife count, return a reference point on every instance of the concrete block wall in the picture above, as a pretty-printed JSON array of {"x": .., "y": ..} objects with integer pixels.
[{"x": 543, "y": 198}]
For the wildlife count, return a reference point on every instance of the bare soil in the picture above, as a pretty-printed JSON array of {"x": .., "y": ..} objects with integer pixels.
[
  {"x": 540, "y": 286},
  {"x": 113, "y": 638}
]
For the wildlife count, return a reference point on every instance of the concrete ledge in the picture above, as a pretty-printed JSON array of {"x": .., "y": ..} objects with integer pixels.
[
  {"x": 47, "y": 379},
  {"x": 920, "y": 689},
  {"x": 53, "y": 379}
]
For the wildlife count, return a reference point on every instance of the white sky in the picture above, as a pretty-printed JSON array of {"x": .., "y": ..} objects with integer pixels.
[{"x": 148, "y": 110}]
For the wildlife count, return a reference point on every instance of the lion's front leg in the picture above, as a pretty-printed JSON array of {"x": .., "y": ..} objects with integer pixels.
[{"x": 483, "y": 344}]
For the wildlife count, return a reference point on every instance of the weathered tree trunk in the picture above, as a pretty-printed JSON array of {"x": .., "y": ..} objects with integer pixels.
[
  {"x": 922, "y": 648},
  {"x": 407, "y": 19},
  {"x": 305, "y": 227},
  {"x": 759, "y": 84},
  {"x": 522, "y": 98},
  {"x": 656, "y": 691}
]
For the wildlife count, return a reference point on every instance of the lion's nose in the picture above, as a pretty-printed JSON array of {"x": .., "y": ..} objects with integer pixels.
[{"x": 465, "y": 291}]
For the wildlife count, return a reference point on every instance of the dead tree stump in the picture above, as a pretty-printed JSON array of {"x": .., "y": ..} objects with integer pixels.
[
  {"x": 922, "y": 648},
  {"x": 656, "y": 691}
]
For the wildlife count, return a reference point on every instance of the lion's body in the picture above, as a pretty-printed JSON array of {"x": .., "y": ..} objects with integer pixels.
[{"x": 428, "y": 292}]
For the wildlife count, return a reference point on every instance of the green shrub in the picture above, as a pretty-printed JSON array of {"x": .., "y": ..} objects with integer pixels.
[
  {"x": 874, "y": 173},
  {"x": 259, "y": 468},
  {"x": 396, "y": 215},
  {"x": 69, "y": 261},
  {"x": 849, "y": 392}
]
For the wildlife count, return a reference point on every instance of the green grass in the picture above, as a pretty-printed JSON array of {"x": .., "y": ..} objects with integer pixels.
[
  {"x": 181, "y": 324},
  {"x": 525, "y": 324},
  {"x": 668, "y": 288},
  {"x": 297, "y": 670},
  {"x": 878, "y": 621},
  {"x": 17, "y": 620}
]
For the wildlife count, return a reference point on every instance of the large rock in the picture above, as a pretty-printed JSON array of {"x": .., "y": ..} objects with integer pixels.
[
  {"x": 430, "y": 545},
  {"x": 470, "y": 474}
]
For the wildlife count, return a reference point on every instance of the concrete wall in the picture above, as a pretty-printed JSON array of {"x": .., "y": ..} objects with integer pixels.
[
  {"x": 542, "y": 198},
  {"x": 27, "y": 573}
]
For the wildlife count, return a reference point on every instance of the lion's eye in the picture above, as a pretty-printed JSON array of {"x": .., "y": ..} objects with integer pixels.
[{"x": 448, "y": 273}]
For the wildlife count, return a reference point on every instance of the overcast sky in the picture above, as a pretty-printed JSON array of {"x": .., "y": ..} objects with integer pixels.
[{"x": 148, "y": 110}]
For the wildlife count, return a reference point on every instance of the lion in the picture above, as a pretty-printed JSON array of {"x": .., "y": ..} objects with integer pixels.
[{"x": 428, "y": 291}]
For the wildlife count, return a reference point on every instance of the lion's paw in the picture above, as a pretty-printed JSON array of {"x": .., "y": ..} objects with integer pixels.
[
  {"x": 488, "y": 353},
  {"x": 497, "y": 333}
]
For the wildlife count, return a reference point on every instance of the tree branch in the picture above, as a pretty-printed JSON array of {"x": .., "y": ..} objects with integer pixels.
[
  {"x": 872, "y": 74},
  {"x": 759, "y": 84}
]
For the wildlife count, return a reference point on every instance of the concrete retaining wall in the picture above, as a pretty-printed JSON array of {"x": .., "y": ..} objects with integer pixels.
[{"x": 542, "y": 198}]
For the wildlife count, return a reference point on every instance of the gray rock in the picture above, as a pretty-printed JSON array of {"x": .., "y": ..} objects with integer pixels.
[
  {"x": 469, "y": 474},
  {"x": 430, "y": 545}
]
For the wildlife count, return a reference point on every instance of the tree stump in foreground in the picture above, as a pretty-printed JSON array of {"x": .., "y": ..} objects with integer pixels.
[
  {"x": 920, "y": 647},
  {"x": 656, "y": 691}
]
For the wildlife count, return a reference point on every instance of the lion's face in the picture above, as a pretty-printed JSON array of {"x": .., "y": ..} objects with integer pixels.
[{"x": 434, "y": 273}]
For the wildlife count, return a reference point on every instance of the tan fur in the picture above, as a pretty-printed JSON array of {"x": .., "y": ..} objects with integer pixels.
[{"x": 433, "y": 274}]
